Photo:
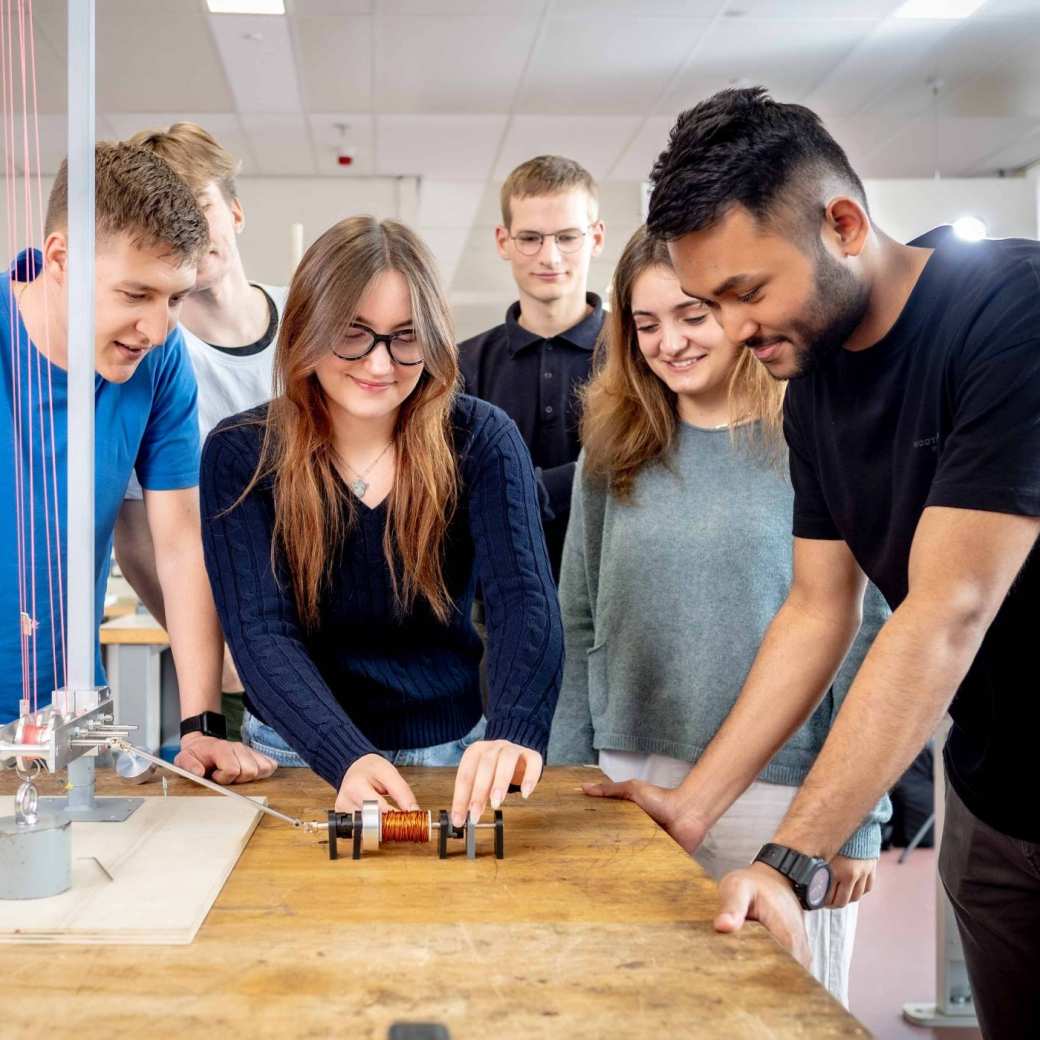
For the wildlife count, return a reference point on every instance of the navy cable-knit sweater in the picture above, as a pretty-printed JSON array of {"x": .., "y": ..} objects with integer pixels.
[{"x": 369, "y": 676}]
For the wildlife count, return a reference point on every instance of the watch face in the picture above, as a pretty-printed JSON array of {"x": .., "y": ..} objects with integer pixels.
[{"x": 816, "y": 890}]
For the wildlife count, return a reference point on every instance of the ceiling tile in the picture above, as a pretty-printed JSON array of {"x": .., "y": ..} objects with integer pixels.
[
  {"x": 789, "y": 58},
  {"x": 225, "y": 127},
  {"x": 258, "y": 55},
  {"x": 882, "y": 57},
  {"x": 991, "y": 48},
  {"x": 638, "y": 8},
  {"x": 593, "y": 141},
  {"x": 335, "y": 63},
  {"x": 962, "y": 144},
  {"x": 448, "y": 8},
  {"x": 824, "y": 9},
  {"x": 570, "y": 73},
  {"x": 155, "y": 77},
  {"x": 281, "y": 143},
  {"x": 444, "y": 147},
  {"x": 308, "y": 8},
  {"x": 449, "y": 64},
  {"x": 1023, "y": 152},
  {"x": 638, "y": 159}
]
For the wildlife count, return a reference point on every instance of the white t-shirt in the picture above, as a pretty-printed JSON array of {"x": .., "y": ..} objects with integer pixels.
[{"x": 229, "y": 381}]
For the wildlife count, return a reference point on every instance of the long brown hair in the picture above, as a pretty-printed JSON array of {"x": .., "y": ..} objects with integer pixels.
[
  {"x": 630, "y": 417},
  {"x": 313, "y": 511}
]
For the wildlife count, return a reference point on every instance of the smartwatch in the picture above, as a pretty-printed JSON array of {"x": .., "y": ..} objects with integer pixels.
[
  {"x": 209, "y": 724},
  {"x": 810, "y": 877}
]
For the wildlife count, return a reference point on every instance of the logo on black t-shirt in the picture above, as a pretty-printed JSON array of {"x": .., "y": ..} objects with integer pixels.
[{"x": 928, "y": 442}]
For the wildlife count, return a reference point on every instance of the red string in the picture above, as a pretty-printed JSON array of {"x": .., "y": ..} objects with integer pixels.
[
  {"x": 30, "y": 410},
  {"x": 60, "y": 678},
  {"x": 16, "y": 369}
]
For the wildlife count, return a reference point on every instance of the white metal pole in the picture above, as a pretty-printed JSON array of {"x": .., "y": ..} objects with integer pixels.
[
  {"x": 80, "y": 488},
  {"x": 79, "y": 524}
]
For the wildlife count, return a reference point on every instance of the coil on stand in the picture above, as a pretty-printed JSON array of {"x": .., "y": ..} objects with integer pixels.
[{"x": 367, "y": 829}]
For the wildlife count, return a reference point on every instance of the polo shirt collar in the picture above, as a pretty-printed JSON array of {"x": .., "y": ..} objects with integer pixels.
[{"x": 583, "y": 335}]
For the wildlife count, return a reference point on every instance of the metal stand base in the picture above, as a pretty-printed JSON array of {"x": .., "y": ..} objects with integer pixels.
[
  {"x": 929, "y": 1016},
  {"x": 104, "y": 810}
]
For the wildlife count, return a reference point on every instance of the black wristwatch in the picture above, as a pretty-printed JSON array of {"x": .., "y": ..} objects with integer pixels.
[
  {"x": 810, "y": 877},
  {"x": 209, "y": 724}
]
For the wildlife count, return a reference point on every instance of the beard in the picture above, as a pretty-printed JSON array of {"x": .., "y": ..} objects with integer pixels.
[{"x": 837, "y": 305}]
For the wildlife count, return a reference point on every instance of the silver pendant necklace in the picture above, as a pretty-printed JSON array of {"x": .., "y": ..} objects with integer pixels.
[{"x": 359, "y": 485}]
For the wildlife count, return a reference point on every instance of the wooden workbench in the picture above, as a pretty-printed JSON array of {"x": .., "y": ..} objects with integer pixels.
[{"x": 595, "y": 925}]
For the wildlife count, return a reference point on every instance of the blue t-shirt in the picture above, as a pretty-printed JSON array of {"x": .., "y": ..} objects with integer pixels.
[{"x": 148, "y": 422}]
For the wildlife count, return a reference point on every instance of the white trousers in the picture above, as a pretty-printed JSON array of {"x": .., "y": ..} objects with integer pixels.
[{"x": 734, "y": 842}]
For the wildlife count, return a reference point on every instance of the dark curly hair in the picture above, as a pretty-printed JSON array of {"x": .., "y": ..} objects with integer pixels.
[{"x": 740, "y": 147}]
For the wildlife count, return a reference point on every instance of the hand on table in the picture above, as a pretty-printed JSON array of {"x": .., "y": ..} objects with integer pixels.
[
  {"x": 759, "y": 893},
  {"x": 661, "y": 804},
  {"x": 851, "y": 879},
  {"x": 373, "y": 779},
  {"x": 226, "y": 761},
  {"x": 487, "y": 769}
]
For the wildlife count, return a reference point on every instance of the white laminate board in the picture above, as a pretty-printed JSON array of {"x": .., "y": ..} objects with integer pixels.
[{"x": 168, "y": 863}]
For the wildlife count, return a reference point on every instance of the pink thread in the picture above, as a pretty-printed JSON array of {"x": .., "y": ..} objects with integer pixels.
[
  {"x": 59, "y": 676},
  {"x": 16, "y": 374},
  {"x": 50, "y": 386},
  {"x": 30, "y": 411}
]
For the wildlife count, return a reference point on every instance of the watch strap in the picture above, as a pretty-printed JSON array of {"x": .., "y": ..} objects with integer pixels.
[{"x": 208, "y": 723}]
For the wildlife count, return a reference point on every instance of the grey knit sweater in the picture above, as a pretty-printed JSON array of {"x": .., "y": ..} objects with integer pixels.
[{"x": 665, "y": 602}]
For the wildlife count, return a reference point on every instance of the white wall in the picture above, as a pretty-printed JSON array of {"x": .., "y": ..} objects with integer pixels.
[
  {"x": 273, "y": 204},
  {"x": 907, "y": 208}
]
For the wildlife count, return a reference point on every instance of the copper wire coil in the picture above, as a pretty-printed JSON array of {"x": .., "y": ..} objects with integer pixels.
[{"x": 406, "y": 826}]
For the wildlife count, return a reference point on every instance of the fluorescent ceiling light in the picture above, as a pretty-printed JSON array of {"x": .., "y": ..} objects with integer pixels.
[
  {"x": 971, "y": 229},
  {"x": 939, "y": 8},
  {"x": 246, "y": 6}
]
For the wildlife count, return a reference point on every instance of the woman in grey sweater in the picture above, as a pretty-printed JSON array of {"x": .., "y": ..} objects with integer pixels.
[{"x": 677, "y": 557}]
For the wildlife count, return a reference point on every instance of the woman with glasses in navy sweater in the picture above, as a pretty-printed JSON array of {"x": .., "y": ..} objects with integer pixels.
[{"x": 346, "y": 525}]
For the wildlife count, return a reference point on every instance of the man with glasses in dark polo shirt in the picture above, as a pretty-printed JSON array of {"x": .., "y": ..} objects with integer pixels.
[{"x": 533, "y": 364}]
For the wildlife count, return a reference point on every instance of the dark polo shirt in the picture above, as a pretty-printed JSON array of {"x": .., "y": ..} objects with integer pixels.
[{"x": 535, "y": 382}]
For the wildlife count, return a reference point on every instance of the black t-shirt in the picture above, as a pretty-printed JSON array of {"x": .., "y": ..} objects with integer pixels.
[{"x": 943, "y": 411}]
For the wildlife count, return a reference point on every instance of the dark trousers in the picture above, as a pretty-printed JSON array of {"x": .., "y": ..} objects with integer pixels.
[{"x": 993, "y": 882}]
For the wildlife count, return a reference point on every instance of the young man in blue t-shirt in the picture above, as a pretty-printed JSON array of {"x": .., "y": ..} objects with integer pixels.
[{"x": 149, "y": 235}]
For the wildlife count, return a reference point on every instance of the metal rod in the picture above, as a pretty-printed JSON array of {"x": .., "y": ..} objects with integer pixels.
[
  {"x": 479, "y": 826},
  {"x": 125, "y": 745},
  {"x": 79, "y": 497},
  {"x": 79, "y": 523}
]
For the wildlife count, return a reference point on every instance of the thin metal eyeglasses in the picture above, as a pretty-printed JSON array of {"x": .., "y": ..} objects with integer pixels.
[
  {"x": 403, "y": 347},
  {"x": 569, "y": 240}
]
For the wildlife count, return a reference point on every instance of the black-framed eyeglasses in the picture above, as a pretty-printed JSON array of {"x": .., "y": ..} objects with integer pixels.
[
  {"x": 569, "y": 240},
  {"x": 359, "y": 341}
]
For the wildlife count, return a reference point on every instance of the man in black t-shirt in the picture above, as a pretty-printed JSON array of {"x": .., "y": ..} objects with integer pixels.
[{"x": 913, "y": 420}]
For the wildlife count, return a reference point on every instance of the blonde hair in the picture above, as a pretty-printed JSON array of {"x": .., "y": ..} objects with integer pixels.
[
  {"x": 298, "y": 451},
  {"x": 135, "y": 193},
  {"x": 630, "y": 417},
  {"x": 547, "y": 175},
  {"x": 194, "y": 155}
]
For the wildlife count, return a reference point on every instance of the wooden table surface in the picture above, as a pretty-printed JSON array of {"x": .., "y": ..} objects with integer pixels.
[{"x": 595, "y": 925}]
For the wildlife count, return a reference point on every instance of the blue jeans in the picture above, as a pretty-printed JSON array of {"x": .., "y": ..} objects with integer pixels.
[{"x": 261, "y": 737}]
